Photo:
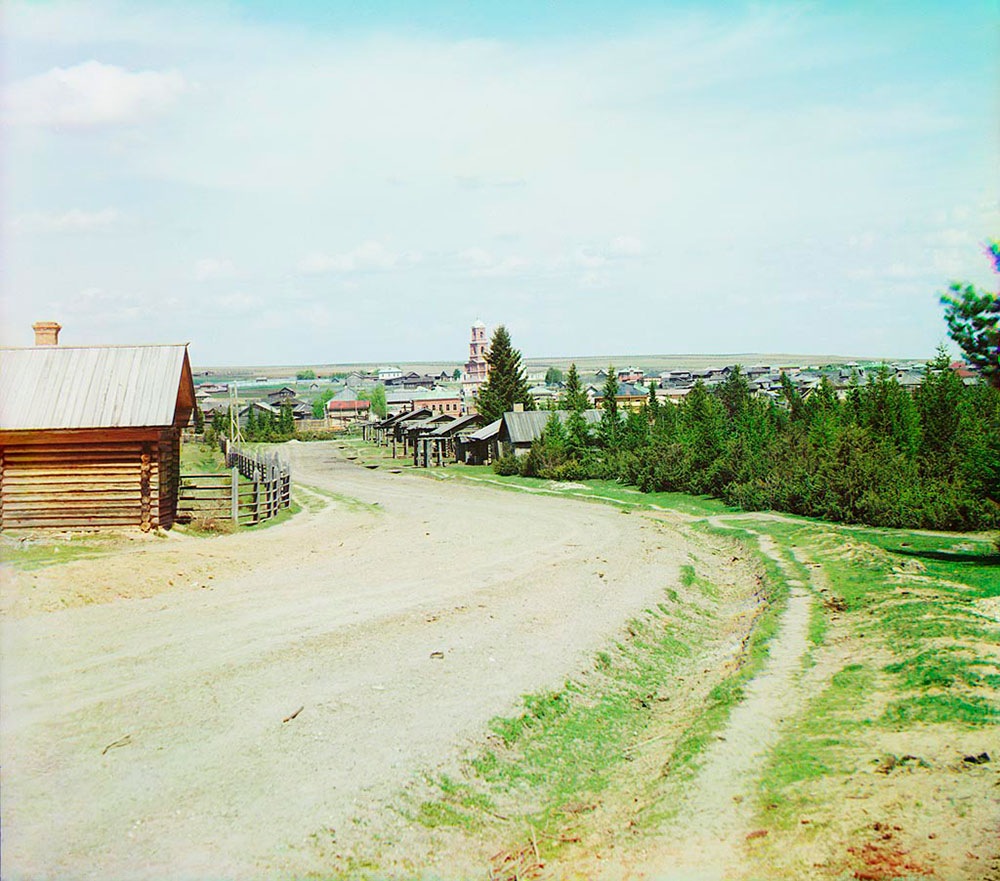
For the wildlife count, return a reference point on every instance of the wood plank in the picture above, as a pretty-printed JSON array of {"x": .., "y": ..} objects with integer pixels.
[
  {"x": 94, "y": 471},
  {"x": 93, "y": 498},
  {"x": 80, "y": 435},
  {"x": 70, "y": 505},
  {"x": 85, "y": 478},
  {"x": 69, "y": 521},
  {"x": 44, "y": 449}
]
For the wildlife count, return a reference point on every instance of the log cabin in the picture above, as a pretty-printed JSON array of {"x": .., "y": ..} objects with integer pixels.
[{"x": 90, "y": 435}]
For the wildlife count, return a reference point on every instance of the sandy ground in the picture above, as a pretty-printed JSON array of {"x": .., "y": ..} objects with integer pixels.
[{"x": 142, "y": 729}]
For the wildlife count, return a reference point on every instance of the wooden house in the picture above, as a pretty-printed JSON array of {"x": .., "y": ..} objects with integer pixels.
[
  {"x": 479, "y": 447},
  {"x": 519, "y": 429},
  {"x": 90, "y": 435}
]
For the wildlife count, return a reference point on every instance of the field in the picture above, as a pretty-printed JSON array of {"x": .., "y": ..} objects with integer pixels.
[
  {"x": 586, "y": 363},
  {"x": 451, "y": 674}
]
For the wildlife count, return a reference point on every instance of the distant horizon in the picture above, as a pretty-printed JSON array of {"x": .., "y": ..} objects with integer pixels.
[{"x": 618, "y": 361}]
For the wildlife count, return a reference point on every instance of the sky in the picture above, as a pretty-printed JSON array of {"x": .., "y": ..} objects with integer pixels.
[{"x": 293, "y": 183}]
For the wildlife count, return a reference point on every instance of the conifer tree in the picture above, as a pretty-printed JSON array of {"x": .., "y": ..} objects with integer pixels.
[
  {"x": 937, "y": 399},
  {"x": 973, "y": 318},
  {"x": 507, "y": 384},
  {"x": 286, "y": 422},
  {"x": 199, "y": 420},
  {"x": 575, "y": 398},
  {"x": 734, "y": 392},
  {"x": 610, "y": 429},
  {"x": 554, "y": 433},
  {"x": 652, "y": 404}
]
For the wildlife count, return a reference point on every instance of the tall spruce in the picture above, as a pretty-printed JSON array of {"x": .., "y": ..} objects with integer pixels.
[
  {"x": 610, "y": 428},
  {"x": 575, "y": 398},
  {"x": 507, "y": 384}
]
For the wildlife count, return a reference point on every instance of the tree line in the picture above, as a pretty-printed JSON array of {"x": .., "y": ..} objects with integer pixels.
[
  {"x": 879, "y": 456},
  {"x": 875, "y": 454}
]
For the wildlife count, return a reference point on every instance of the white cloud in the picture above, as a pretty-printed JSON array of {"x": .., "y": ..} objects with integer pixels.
[
  {"x": 101, "y": 304},
  {"x": 90, "y": 94},
  {"x": 74, "y": 220},
  {"x": 370, "y": 256},
  {"x": 625, "y": 246},
  {"x": 239, "y": 303},
  {"x": 210, "y": 268},
  {"x": 588, "y": 258},
  {"x": 478, "y": 262},
  {"x": 487, "y": 181}
]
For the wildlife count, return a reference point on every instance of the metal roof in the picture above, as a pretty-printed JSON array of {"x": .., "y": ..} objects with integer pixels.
[
  {"x": 525, "y": 427},
  {"x": 449, "y": 428},
  {"x": 487, "y": 431},
  {"x": 53, "y": 387}
]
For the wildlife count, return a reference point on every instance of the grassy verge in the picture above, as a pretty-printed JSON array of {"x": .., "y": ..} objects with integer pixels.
[
  {"x": 924, "y": 656},
  {"x": 548, "y": 766}
]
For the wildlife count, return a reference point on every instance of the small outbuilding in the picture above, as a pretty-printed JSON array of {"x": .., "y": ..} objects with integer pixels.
[{"x": 90, "y": 435}]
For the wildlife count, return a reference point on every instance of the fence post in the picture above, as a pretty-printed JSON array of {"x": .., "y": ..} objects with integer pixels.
[
  {"x": 236, "y": 496},
  {"x": 256, "y": 495}
]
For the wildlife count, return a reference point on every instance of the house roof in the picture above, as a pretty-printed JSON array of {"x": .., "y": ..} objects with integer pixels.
[
  {"x": 59, "y": 387},
  {"x": 525, "y": 427},
  {"x": 487, "y": 431},
  {"x": 335, "y": 404},
  {"x": 456, "y": 425}
]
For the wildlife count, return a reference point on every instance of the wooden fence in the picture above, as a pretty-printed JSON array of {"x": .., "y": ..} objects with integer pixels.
[{"x": 255, "y": 487}]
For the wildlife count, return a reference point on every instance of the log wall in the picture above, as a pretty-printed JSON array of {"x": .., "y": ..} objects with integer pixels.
[{"x": 59, "y": 484}]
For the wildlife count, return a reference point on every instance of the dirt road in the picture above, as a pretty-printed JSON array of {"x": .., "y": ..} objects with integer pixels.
[{"x": 143, "y": 733}]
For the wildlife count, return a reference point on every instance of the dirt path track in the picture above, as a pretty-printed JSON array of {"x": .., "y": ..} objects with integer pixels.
[{"x": 337, "y": 612}]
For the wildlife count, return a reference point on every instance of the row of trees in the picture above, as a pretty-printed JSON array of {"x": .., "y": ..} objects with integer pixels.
[
  {"x": 876, "y": 455},
  {"x": 879, "y": 456},
  {"x": 261, "y": 426}
]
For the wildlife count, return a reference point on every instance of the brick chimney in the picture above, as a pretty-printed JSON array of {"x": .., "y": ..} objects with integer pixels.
[
  {"x": 519, "y": 407},
  {"x": 46, "y": 333}
]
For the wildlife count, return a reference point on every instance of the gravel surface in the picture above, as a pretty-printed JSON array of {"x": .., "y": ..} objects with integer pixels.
[{"x": 142, "y": 728}]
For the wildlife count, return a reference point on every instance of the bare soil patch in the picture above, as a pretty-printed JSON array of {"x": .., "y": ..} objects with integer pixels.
[{"x": 200, "y": 707}]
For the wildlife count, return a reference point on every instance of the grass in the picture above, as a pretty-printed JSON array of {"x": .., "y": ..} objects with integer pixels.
[
  {"x": 817, "y": 745},
  {"x": 595, "y": 490},
  {"x": 684, "y": 762},
  {"x": 199, "y": 458},
  {"x": 570, "y": 744},
  {"x": 40, "y": 551},
  {"x": 911, "y": 596}
]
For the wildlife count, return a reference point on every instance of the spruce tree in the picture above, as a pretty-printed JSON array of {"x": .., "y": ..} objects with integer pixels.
[
  {"x": 734, "y": 392},
  {"x": 938, "y": 398},
  {"x": 554, "y": 433},
  {"x": 652, "y": 404},
  {"x": 286, "y": 422},
  {"x": 610, "y": 429},
  {"x": 575, "y": 398},
  {"x": 507, "y": 384}
]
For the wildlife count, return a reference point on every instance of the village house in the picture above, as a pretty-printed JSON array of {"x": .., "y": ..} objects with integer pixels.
[
  {"x": 629, "y": 396},
  {"x": 90, "y": 435},
  {"x": 442, "y": 402},
  {"x": 630, "y": 374},
  {"x": 479, "y": 447},
  {"x": 519, "y": 428},
  {"x": 344, "y": 412},
  {"x": 544, "y": 396},
  {"x": 387, "y": 373}
]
